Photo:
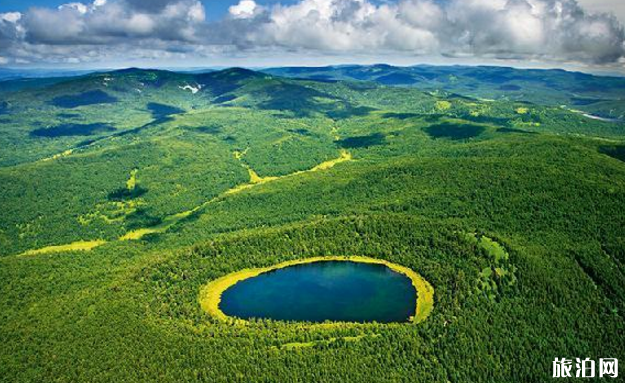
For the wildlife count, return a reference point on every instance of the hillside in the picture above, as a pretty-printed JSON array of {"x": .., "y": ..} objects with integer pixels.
[
  {"x": 601, "y": 96},
  {"x": 123, "y": 193}
]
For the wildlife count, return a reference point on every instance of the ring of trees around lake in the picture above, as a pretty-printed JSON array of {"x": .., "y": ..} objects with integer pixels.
[{"x": 211, "y": 294}]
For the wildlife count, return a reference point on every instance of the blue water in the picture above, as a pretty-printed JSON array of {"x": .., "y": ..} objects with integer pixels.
[{"x": 320, "y": 291}]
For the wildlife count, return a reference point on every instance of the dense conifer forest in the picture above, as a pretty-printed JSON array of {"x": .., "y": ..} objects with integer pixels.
[{"x": 123, "y": 193}]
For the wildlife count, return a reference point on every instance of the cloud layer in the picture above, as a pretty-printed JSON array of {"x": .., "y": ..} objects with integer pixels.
[{"x": 545, "y": 30}]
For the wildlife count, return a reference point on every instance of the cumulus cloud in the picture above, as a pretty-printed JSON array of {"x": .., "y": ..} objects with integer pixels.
[
  {"x": 113, "y": 22},
  {"x": 245, "y": 9},
  {"x": 10, "y": 32},
  {"x": 11, "y": 17},
  {"x": 79, "y": 7},
  {"x": 547, "y": 30}
]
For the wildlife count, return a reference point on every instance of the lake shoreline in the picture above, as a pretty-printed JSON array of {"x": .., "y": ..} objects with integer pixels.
[{"x": 210, "y": 294}]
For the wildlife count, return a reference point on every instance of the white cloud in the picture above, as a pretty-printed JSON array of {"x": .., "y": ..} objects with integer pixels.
[
  {"x": 424, "y": 14},
  {"x": 113, "y": 22},
  {"x": 245, "y": 9},
  {"x": 617, "y": 7},
  {"x": 78, "y": 7},
  {"x": 140, "y": 24},
  {"x": 544, "y": 30},
  {"x": 11, "y": 17},
  {"x": 557, "y": 30},
  {"x": 196, "y": 13}
]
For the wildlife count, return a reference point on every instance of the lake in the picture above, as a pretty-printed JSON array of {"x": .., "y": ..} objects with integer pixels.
[{"x": 325, "y": 290}]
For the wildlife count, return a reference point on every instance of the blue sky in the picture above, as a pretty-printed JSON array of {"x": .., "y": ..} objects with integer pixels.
[
  {"x": 574, "y": 34},
  {"x": 220, "y": 7},
  {"x": 215, "y": 8},
  {"x": 22, "y": 5}
]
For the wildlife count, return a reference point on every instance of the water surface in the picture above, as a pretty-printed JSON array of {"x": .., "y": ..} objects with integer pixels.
[{"x": 326, "y": 290}]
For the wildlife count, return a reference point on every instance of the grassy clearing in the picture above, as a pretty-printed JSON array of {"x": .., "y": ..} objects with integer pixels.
[
  {"x": 136, "y": 235},
  {"x": 59, "y": 155},
  {"x": 255, "y": 179},
  {"x": 443, "y": 105},
  {"x": 163, "y": 227},
  {"x": 132, "y": 181},
  {"x": 75, "y": 246},
  {"x": 240, "y": 154},
  {"x": 345, "y": 156},
  {"x": 210, "y": 294}
]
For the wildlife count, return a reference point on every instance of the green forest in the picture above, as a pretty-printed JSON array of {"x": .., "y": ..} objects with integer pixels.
[{"x": 123, "y": 193}]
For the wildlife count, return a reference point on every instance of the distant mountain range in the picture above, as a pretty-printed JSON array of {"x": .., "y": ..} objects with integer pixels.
[{"x": 602, "y": 96}]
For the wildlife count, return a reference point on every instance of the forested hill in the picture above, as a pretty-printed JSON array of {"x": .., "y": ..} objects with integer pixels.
[
  {"x": 601, "y": 95},
  {"x": 50, "y": 116}
]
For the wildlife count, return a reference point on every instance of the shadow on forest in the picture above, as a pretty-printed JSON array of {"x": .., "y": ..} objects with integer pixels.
[
  {"x": 362, "y": 141},
  {"x": 454, "y": 131},
  {"x": 160, "y": 111},
  {"x": 401, "y": 116},
  {"x": 72, "y": 130},
  {"x": 141, "y": 219},
  {"x": 125, "y": 194},
  {"x": 82, "y": 99},
  {"x": 301, "y": 132},
  {"x": 203, "y": 129},
  {"x": 617, "y": 152},
  {"x": 513, "y": 130}
]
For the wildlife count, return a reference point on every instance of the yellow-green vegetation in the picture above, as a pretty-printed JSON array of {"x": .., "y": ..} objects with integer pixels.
[
  {"x": 443, "y": 105},
  {"x": 522, "y": 110},
  {"x": 240, "y": 154},
  {"x": 344, "y": 157},
  {"x": 282, "y": 140},
  {"x": 167, "y": 223},
  {"x": 59, "y": 155},
  {"x": 135, "y": 235},
  {"x": 498, "y": 271},
  {"x": 255, "y": 180},
  {"x": 210, "y": 294},
  {"x": 74, "y": 246},
  {"x": 112, "y": 212},
  {"x": 132, "y": 181},
  {"x": 254, "y": 177}
]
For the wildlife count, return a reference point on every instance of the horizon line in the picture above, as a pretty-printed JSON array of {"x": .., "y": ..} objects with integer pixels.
[{"x": 173, "y": 68}]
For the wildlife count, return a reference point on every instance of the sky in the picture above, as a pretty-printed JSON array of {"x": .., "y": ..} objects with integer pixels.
[{"x": 570, "y": 34}]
